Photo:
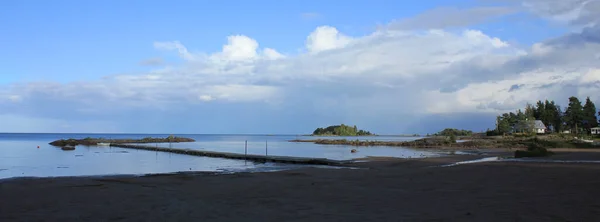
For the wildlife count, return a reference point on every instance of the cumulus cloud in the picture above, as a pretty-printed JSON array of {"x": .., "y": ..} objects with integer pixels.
[
  {"x": 405, "y": 74},
  {"x": 326, "y": 38}
]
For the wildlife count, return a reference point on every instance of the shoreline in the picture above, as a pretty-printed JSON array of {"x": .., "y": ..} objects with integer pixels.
[
  {"x": 348, "y": 164},
  {"x": 386, "y": 190},
  {"x": 467, "y": 144}
]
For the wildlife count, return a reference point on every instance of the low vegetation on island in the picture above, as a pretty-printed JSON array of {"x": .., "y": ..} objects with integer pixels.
[
  {"x": 454, "y": 132},
  {"x": 94, "y": 141},
  {"x": 341, "y": 130}
]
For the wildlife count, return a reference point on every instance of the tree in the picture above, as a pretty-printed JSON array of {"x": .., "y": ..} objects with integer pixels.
[
  {"x": 503, "y": 123},
  {"x": 540, "y": 110},
  {"x": 553, "y": 116},
  {"x": 456, "y": 132},
  {"x": 574, "y": 114},
  {"x": 530, "y": 112},
  {"x": 589, "y": 115}
]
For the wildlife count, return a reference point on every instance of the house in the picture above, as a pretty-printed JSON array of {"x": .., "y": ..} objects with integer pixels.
[
  {"x": 539, "y": 127},
  {"x": 536, "y": 126},
  {"x": 595, "y": 131}
]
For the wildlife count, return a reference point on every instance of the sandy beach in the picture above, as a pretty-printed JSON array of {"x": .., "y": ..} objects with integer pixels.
[{"x": 385, "y": 189}]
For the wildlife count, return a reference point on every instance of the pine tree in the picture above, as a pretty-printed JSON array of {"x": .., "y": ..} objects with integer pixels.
[
  {"x": 540, "y": 110},
  {"x": 553, "y": 116},
  {"x": 589, "y": 113},
  {"x": 574, "y": 115}
]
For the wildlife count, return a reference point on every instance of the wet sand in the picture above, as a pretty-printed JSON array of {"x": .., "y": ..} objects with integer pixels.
[{"x": 384, "y": 190}]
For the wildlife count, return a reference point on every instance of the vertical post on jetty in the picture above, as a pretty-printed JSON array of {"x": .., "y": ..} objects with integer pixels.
[
  {"x": 246, "y": 152},
  {"x": 266, "y": 147}
]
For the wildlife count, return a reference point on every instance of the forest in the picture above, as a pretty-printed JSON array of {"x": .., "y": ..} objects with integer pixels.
[{"x": 575, "y": 117}]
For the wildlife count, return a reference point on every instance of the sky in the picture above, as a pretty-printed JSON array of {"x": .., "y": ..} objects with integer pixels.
[{"x": 288, "y": 67}]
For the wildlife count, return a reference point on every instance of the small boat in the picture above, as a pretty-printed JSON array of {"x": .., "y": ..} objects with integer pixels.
[
  {"x": 103, "y": 144},
  {"x": 68, "y": 147}
]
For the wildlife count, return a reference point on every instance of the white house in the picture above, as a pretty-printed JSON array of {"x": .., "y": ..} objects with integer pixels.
[
  {"x": 595, "y": 131},
  {"x": 536, "y": 126},
  {"x": 539, "y": 127}
]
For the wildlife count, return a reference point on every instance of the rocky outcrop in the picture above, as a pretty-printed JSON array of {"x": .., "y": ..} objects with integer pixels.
[{"x": 94, "y": 141}]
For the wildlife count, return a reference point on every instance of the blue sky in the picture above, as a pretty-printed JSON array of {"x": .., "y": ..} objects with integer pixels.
[{"x": 283, "y": 66}]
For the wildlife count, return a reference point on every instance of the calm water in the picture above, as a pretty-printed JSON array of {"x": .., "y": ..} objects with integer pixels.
[
  {"x": 280, "y": 146},
  {"x": 19, "y": 155}
]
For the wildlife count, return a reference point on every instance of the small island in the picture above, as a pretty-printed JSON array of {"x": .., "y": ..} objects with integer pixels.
[
  {"x": 341, "y": 130},
  {"x": 94, "y": 141}
]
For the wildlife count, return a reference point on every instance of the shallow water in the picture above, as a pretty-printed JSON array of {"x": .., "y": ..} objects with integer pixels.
[
  {"x": 24, "y": 159},
  {"x": 280, "y": 146},
  {"x": 21, "y": 157}
]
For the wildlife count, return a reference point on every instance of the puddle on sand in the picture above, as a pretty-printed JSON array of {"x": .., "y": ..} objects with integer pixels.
[
  {"x": 487, "y": 159},
  {"x": 492, "y": 159}
]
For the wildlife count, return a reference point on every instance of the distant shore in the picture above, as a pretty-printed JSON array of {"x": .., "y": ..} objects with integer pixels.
[
  {"x": 385, "y": 189},
  {"x": 94, "y": 141},
  {"x": 467, "y": 143}
]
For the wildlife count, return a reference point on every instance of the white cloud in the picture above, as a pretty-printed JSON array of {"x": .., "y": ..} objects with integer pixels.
[
  {"x": 326, "y": 38},
  {"x": 240, "y": 48},
  {"x": 540, "y": 49},
  {"x": 206, "y": 98},
  {"x": 477, "y": 37},
  {"x": 175, "y": 45},
  {"x": 272, "y": 54},
  {"x": 434, "y": 64}
]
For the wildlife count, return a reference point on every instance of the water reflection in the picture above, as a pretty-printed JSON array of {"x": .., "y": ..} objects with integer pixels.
[
  {"x": 29, "y": 155},
  {"x": 24, "y": 159}
]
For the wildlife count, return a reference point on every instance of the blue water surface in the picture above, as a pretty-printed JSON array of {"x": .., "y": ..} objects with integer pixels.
[{"x": 21, "y": 157}]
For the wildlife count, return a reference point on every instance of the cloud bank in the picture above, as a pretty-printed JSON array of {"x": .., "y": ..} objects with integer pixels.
[{"x": 411, "y": 76}]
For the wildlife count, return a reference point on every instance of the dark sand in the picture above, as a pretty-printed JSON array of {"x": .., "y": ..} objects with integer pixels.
[{"x": 389, "y": 190}]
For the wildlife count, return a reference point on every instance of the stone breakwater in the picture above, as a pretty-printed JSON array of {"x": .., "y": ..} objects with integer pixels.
[
  {"x": 249, "y": 157},
  {"x": 95, "y": 141}
]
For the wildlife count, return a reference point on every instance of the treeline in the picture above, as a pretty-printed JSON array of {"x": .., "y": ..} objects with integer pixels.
[
  {"x": 454, "y": 132},
  {"x": 575, "y": 117},
  {"x": 341, "y": 130}
]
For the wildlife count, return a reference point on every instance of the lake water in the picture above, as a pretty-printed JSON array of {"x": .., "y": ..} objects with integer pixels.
[
  {"x": 21, "y": 157},
  {"x": 280, "y": 146}
]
